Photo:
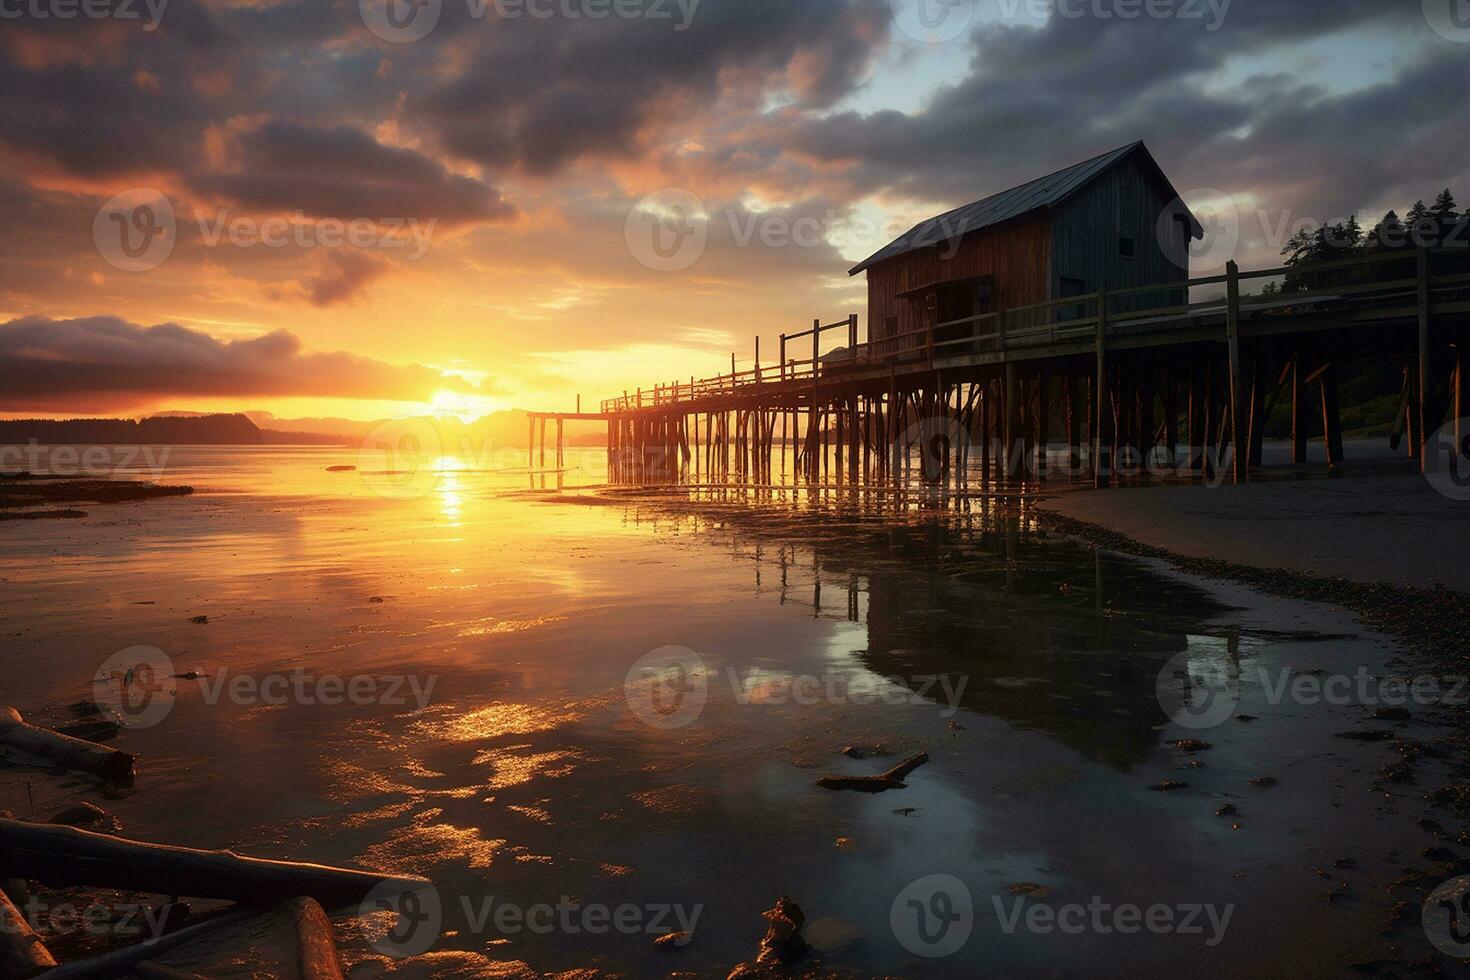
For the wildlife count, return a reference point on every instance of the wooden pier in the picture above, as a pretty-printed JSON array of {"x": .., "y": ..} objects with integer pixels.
[{"x": 1132, "y": 380}]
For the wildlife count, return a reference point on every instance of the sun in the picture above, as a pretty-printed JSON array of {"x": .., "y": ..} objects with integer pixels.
[{"x": 466, "y": 408}]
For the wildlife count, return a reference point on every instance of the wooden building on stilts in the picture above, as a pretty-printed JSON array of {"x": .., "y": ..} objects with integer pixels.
[{"x": 1060, "y": 314}]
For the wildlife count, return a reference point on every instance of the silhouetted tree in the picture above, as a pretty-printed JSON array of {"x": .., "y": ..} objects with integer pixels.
[
  {"x": 1388, "y": 234},
  {"x": 1444, "y": 209}
]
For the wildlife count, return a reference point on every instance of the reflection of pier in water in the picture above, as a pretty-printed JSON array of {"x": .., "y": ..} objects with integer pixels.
[{"x": 1054, "y": 636}]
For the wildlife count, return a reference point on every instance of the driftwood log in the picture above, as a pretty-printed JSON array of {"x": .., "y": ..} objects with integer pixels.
[
  {"x": 892, "y": 779},
  {"x": 22, "y": 954},
  {"x": 73, "y": 753},
  {"x": 293, "y": 941},
  {"x": 64, "y": 856},
  {"x": 118, "y": 962}
]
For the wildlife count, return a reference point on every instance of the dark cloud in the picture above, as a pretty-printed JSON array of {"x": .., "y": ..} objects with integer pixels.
[
  {"x": 336, "y": 276},
  {"x": 538, "y": 94},
  {"x": 344, "y": 173},
  {"x": 50, "y": 365}
]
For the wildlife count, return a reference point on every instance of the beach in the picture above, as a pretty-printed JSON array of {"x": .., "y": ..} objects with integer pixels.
[{"x": 501, "y": 745}]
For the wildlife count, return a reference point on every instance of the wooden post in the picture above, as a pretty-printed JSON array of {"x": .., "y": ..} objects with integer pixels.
[
  {"x": 1298, "y": 411},
  {"x": 1331, "y": 418},
  {"x": 1258, "y": 411},
  {"x": 816, "y": 435},
  {"x": 1425, "y": 377},
  {"x": 1147, "y": 431},
  {"x": 757, "y": 359},
  {"x": 1171, "y": 421},
  {"x": 560, "y": 445},
  {"x": 1043, "y": 418},
  {"x": 531, "y": 442},
  {"x": 1232, "y": 342},
  {"x": 1462, "y": 386},
  {"x": 1011, "y": 430},
  {"x": 1102, "y": 429},
  {"x": 1195, "y": 424}
]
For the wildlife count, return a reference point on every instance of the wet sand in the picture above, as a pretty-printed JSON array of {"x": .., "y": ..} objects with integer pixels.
[
  {"x": 1391, "y": 529},
  {"x": 526, "y": 777}
]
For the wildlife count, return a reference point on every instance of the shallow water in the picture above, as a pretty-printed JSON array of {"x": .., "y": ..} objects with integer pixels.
[{"x": 1025, "y": 665}]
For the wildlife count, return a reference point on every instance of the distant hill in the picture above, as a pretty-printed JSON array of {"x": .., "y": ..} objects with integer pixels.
[
  {"x": 173, "y": 430},
  {"x": 501, "y": 430}
]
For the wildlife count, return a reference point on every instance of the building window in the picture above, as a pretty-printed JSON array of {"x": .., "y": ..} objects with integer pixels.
[
  {"x": 1127, "y": 247},
  {"x": 1071, "y": 287}
]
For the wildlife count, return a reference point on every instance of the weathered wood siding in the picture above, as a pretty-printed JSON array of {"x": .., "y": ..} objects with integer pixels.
[
  {"x": 1128, "y": 201},
  {"x": 1016, "y": 254}
]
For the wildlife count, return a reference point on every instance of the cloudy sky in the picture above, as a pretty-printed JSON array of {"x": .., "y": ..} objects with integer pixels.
[{"x": 372, "y": 208}]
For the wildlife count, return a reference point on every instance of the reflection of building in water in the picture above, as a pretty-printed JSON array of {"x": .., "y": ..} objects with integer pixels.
[{"x": 1053, "y": 636}]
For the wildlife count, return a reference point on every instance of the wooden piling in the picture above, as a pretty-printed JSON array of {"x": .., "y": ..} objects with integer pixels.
[
  {"x": 1425, "y": 375},
  {"x": 1103, "y": 414},
  {"x": 1241, "y": 470}
]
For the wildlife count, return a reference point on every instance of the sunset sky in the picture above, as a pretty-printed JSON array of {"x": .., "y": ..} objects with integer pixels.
[{"x": 512, "y": 145}]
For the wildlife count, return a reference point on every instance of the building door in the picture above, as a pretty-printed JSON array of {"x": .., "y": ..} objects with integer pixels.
[{"x": 959, "y": 301}]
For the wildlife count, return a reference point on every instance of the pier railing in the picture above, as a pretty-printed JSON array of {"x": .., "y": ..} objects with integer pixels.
[{"x": 1393, "y": 282}]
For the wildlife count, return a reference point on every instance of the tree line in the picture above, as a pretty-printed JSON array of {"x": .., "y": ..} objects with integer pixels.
[{"x": 1439, "y": 225}]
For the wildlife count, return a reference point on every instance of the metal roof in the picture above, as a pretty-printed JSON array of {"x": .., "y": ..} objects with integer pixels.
[{"x": 1043, "y": 192}]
